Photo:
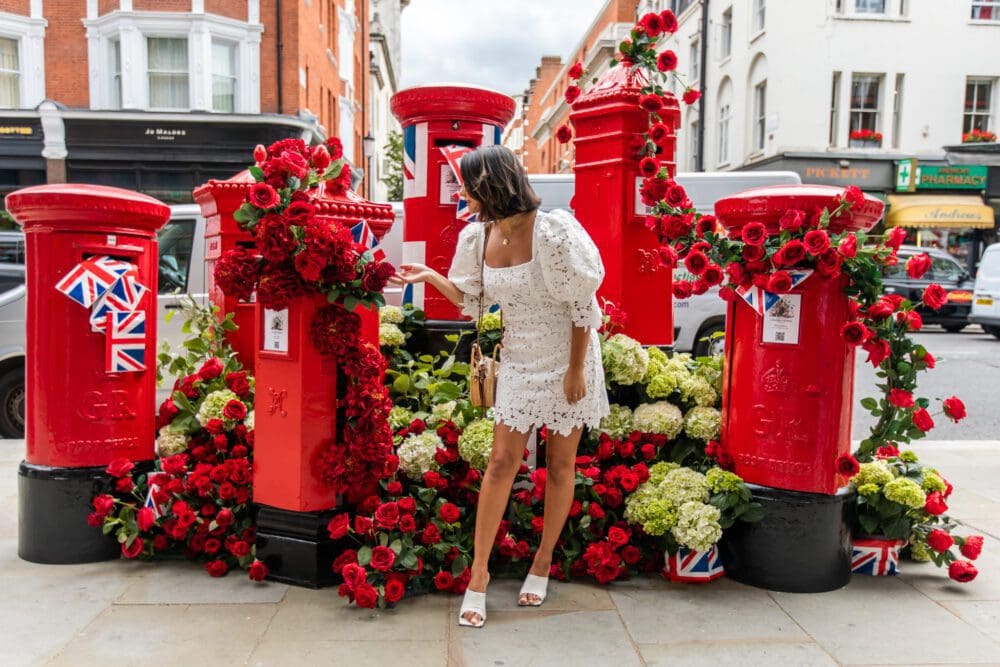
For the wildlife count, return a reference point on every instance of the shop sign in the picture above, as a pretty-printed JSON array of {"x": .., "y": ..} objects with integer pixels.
[
  {"x": 910, "y": 176},
  {"x": 16, "y": 131}
]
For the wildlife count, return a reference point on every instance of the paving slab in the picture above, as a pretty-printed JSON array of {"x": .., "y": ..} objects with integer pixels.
[
  {"x": 935, "y": 584},
  {"x": 713, "y": 654},
  {"x": 354, "y": 653},
  {"x": 181, "y": 582},
  {"x": 502, "y": 595},
  {"x": 984, "y": 615}
]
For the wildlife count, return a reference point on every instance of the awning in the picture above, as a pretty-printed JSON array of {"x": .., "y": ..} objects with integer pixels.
[{"x": 952, "y": 211}]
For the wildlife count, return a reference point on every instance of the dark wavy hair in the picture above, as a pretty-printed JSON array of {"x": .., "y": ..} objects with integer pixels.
[{"x": 495, "y": 178}]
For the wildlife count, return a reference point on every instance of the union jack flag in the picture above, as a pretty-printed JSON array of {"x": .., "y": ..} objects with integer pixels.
[
  {"x": 415, "y": 160},
  {"x": 124, "y": 296},
  {"x": 761, "y": 300},
  {"x": 879, "y": 558},
  {"x": 125, "y": 342},
  {"x": 365, "y": 237},
  {"x": 754, "y": 296},
  {"x": 694, "y": 566},
  {"x": 453, "y": 156},
  {"x": 151, "y": 501},
  {"x": 88, "y": 280}
]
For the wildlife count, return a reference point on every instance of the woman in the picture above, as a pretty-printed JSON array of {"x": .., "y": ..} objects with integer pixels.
[{"x": 543, "y": 269}]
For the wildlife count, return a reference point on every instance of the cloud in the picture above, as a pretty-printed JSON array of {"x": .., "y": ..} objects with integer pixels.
[{"x": 492, "y": 43}]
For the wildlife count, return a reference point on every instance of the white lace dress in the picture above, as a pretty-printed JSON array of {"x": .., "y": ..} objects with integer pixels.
[{"x": 541, "y": 301}]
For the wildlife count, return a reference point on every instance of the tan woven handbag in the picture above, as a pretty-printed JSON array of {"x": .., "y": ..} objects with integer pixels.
[{"x": 483, "y": 370}]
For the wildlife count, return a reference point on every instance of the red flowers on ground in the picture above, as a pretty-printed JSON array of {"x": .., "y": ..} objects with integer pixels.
[
  {"x": 449, "y": 513},
  {"x": 962, "y": 571},
  {"x": 954, "y": 408}
]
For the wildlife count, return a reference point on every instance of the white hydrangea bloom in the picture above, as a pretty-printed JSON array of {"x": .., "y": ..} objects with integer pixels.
[
  {"x": 703, "y": 423},
  {"x": 697, "y": 526},
  {"x": 170, "y": 442},
  {"x": 416, "y": 453},
  {"x": 660, "y": 417},
  {"x": 390, "y": 314},
  {"x": 625, "y": 360},
  {"x": 389, "y": 335}
]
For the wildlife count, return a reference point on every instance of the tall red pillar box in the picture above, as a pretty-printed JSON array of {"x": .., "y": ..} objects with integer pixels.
[
  {"x": 433, "y": 117},
  {"x": 297, "y": 417},
  {"x": 91, "y": 352},
  {"x": 218, "y": 201},
  {"x": 789, "y": 375},
  {"x": 608, "y": 125}
]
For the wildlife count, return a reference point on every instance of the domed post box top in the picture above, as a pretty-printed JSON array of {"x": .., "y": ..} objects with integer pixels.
[
  {"x": 453, "y": 101},
  {"x": 767, "y": 204},
  {"x": 75, "y": 207}
]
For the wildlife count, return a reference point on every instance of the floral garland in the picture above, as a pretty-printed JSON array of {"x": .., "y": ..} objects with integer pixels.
[{"x": 301, "y": 255}]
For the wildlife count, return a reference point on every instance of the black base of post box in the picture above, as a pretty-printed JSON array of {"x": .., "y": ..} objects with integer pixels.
[
  {"x": 430, "y": 339},
  {"x": 802, "y": 545},
  {"x": 296, "y": 547},
  {"x": 53, "y": 504}
]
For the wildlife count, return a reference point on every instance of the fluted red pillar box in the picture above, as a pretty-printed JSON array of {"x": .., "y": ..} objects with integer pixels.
[
  {"x": 789, "y": 374},
  {"x": 608, "y": 125},
  {"x": 218, "y": 201},
  {"x": 90, "y": 360},
  {"x": 297, "y": 416},
  {"x": 433, "y": 117}
]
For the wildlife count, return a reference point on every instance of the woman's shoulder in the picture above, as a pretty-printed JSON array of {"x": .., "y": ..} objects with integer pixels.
[
  {"x": 470, "y": 234},
  {"x": 557, "y": 223}
]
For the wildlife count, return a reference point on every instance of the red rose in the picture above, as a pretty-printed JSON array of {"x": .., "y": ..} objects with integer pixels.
[
  {"x": 682, "y": 289},
  {"x": 929, "y": 360},
  {"x": 853, "y": 195},
  {"x": 972, "y": 547},
  {"x": 847, "y": 465},
  {"x": 651, "y": 103},
  {"x": 263, "y": 196},
  {"x": 935, "y": 504},
  {"x": 940, "y": 540},
  {"x": 712, "y": 274},
  {"x": 779, "y": 282},
  {"x": 649, "y": 166},
  {"x": 387, "y": 515},
  {"x": 881, "y": 309},
  {"x": 346, "y": 557},
  {"x": 895, "y": 238},
  {"x": 817, "y": 241},
  {"x": 145, "y": 519},
  {"x": 382, "y": 558},
  {"x": 240, "y": 548},
  {"x": 595, "y": 511},
  {"x": 354, "y": 575},
  {"x": 954, "y": 408},
  {"x": 696, "y": 262},
  {"x": 675, "y": 195},
  {"x": 449, "y": 513},
  {"x": 901, "y": 398},
  {"x": 211, "y": 369},
  {"x": 828, "y": 263},
  {"x": 338, "y": 526},
  {"x": 237, "y": 383},
  {"x": 394, "y": 590},
  {"x": 223, "y": 519},
  {"x": 658, "y": 133},
  {"x": 335, "y": 147},
  {"x": 104, "y": 504},
  {"x": 792, "y": 220},
  {"x": 666, "y": 61},
  {"x": 855, "y": 333},
  {"x": 617, "y": 537},
  {"x": 668, "y": 257},
  {"x": 443, "y": 580},
  {"x": 631, "y": 555},
  {"x": 133, "y": 550},
  {"x": 754, "y": 233},
  {"x": 918, "y": 265},
  {"x": 407, "y": 523},
  {"x": 564, "y": 134},
  {"x": 430, "y": 535},
  {"x": 690, "y": 96},
  {"x": 216, "y": 568},
  {"x": 366, "y": 596},
  {"x": 669, "y": 21},
  {"x": 258, "y": 571},
  {"x": 321, "y": 158},
  {"x": 572, "y": 92},
  {"x": 886, "y": 452},
  {"x": 848, "y": 246},
  {"x": 652, "y": 23},
  {"x": 407, "y": 505},
  {"x": 922, "y": 420},
  {"x": 911, "y": 320},
  {"x": 790, "y": 254},
  {"x": 119, "y": 467},
  {"x": 962, "y": 571},
  {"x": 576, "y": 71},
  {"x": 259, "y": 153},
  {"x": 235, "y": 410},
  {"x": 935, "y": 296}
]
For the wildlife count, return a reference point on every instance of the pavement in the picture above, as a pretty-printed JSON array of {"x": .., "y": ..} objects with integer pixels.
[{"x": 165, "y": 614}]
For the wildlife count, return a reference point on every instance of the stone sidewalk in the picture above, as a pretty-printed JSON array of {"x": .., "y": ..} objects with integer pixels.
[{"x": 127, "y": 613}]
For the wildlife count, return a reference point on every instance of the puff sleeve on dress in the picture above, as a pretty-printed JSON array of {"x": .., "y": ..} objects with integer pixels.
[
  {"x": 571, "y": 266},
  {"x": 465, "y": 271}
]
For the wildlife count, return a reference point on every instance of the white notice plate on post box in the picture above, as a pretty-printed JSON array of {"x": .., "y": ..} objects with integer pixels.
[
  {"x": 781, "y": 320},
  {"x": 276, "y": 330},
  {"x": 449, "y": 187}
]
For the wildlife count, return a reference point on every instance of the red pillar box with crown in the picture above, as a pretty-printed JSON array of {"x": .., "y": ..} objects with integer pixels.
[
  {"x": 321, "y": 423},
  {"x": 609, "y": 126},
  {"x": 436, "y": 117},
  {"x": 91, "y": 355},
  {"x": 219, "y": 200}
]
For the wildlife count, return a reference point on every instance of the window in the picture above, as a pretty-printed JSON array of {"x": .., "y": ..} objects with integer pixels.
[
  {"x": 116, "y": 74},
  {"x": 986, "y": 10},
  {"x": 694, "y": 145},
  {"x": 834, "y": 107},
  {"x": 727, "y": 32},
  {"x": 223, "y": 76},
  {"x": 725, "y": 114},
  {"x": 759, "y": 115},
  {"x": 175, "y": 242},
  {"x": 758, "y": 14},
  {"x": 678, "y": 6},
  {"x": 695, "y": 59},
  {"x": 864, "y": 109},
  {"x": 167, "y": 62},
  {"x": 869, "y": 6},
  {"x": 978, "y": 96},
  {"x": 10, "y": 74},
  {"x": 897, "y": 110}
]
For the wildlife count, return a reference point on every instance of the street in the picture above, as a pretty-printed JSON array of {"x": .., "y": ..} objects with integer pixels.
[{"x": 968, "y": 366}]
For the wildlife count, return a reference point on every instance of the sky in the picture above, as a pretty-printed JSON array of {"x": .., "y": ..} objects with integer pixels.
[{"x": 492, "y": 43}]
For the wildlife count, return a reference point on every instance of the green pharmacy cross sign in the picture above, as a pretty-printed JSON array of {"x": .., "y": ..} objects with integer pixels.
[{"x": 910, "y": 176}]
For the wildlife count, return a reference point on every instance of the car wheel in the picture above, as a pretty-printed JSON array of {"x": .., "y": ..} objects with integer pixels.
[
  {"x": 953, "y": 328},
  {"x": 707, "y": 344},
  {"x": 12, "y": 403},
  {"x": 993, "y": 331}
]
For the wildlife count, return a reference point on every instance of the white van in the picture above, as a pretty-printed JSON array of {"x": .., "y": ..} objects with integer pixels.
[{"x": 986, "y": 293}]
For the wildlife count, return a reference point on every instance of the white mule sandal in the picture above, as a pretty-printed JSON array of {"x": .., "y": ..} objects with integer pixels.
[
  {"x": 474, "y": 601},
  {"x": 533, "y": 585}
]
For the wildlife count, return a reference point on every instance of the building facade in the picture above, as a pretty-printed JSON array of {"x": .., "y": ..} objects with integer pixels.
[
  {"x": 160, "y": 95},
  {"x": 385, "y": 63}
]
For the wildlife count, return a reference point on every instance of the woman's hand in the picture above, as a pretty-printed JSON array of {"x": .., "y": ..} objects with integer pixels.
[
  {"x": 412, "y": 273},
  {"x": 574, "y": 384}
]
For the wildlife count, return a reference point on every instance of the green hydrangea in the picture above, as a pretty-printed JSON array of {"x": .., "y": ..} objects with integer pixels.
[
  {"x": 703, "y": 423},
  {"x": 248, "y": 421},
  {"x": 657, "y": 363},
  {"x": 696, "y": 389},
  {"x": 657, "y": 355},
  {"x": 909, "y": 456},
  {"x": 476, "y": 443},
  {"x": 875, "y": 472},
  {"x": 905, "y": 491},
  {"x": 723, "y": 481},
  {"x": 170, "y": 442},
  {"x": 868, "y": 490},
  {"x": 442, "y": 412},
  {"x": 655, "y": 515},
  {"x": 490, "y": 322},
  {"x": 712, "y": 372},
  {"x": 933, "y": 482},
  {"x": 399, "y": 417},
  {"x": 389, "y": 335},
  {"x": 683, "y": 485},
  {"x": 661, "y": 385},
  {"x": 625, "y": 360},
  {"x": 618, "y": 423},
  {"x": 660, "y": 417},
  {"x": 390, "y": 314},
  {"x": 919, "y": 551},
  {"x": 213, "y": 405},
  {"x": 416, "y": 453},
  {"x": 658, "y": 471},
  {"x": 697, "y": 526}
]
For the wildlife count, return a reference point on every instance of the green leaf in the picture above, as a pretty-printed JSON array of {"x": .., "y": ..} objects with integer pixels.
[
  {"x": 364, "y": 555},
  {"x": 409, "y": 560},
  {"x": 868, "y": 523},
  {"x": 753, "y": 512},
  {"x": 458, "y": 566},
  {"x": 182, "y": 402},
  {"x": 256, "y": 172},
  {"x": 396, "y": 546},
  {"x": 869, "y": 403}
]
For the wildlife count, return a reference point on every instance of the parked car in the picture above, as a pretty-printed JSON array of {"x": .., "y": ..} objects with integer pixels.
[
  {"x": 945, "y": 271},
  {"x": 12, "y": 394},
  {"x": 986, "y": 293}
]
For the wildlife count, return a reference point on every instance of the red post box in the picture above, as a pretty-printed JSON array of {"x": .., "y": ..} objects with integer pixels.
[
  {"x": 90, "y": 393},
  {"x": 609, "y": 124},
  {"x": 297, "y": 416},
  {"x": 218, "y": 201},
  {"x": 433, "y": 117},
  {"x": 789, "y": 375}
]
